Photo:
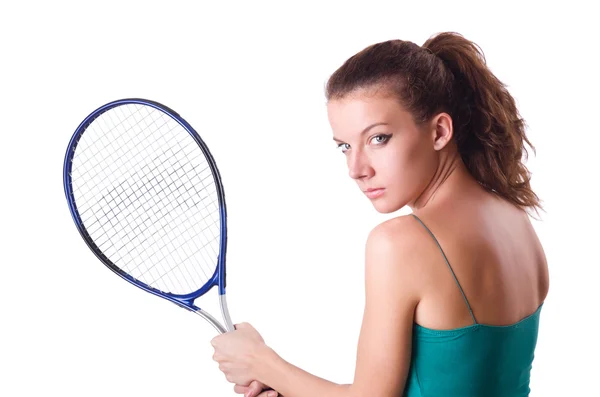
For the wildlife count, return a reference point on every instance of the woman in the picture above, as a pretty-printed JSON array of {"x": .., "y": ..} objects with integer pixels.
[{"x": 455, "y": 289}]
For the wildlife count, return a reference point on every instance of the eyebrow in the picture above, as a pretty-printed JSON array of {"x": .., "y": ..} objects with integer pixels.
[{"x": 364, "y": 131}]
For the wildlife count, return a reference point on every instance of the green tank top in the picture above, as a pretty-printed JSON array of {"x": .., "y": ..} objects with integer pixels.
[{"x": 474, "y": 361}]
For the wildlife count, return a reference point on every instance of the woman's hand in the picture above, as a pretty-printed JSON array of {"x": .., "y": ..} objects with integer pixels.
[{"x": 238, "y": 353}]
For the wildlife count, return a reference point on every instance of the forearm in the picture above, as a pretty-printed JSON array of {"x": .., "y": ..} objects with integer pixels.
[{"x": 291, "y": 381}]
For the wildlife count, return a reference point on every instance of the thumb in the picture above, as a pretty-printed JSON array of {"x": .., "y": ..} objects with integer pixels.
[
  {"x": 254, "y": 388},
  {"x": 241, "y": 326}
]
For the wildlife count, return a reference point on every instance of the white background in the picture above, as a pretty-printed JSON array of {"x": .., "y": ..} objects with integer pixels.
[{"x": 250, "y": 78}]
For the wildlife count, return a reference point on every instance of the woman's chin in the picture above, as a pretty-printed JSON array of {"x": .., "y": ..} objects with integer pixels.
[{"x": 385, "y": 206}]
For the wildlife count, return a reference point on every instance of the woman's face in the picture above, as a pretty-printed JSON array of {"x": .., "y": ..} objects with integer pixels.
[{"x": 391, "y": 159}]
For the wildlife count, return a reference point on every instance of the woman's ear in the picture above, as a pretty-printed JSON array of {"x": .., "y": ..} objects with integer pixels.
[{"x": 442, "y": 131}]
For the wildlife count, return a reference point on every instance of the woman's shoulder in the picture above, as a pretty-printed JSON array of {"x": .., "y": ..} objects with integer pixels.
[
  {"x": 402, "y": 239},
  {"x": 400, "y": 231}
]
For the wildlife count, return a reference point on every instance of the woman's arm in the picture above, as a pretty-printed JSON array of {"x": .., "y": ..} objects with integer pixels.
[
  {"x": 384, "y": 347},
  {"x": 291, "y": 381}
]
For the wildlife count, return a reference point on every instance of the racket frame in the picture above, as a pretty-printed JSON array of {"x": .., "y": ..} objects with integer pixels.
[{"x": 218, "y": 278}]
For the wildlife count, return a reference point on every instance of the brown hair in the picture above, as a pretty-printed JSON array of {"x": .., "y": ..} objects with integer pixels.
[{"x": 449, "y": 74}]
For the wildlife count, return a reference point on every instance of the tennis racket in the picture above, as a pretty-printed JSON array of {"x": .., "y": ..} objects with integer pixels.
[{"x": 147, "y": 198}]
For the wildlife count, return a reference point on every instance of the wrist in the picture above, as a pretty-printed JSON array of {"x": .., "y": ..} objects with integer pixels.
[{"x": 264, "y": 363}]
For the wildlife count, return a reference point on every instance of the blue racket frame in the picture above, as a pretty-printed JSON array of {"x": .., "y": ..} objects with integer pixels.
[{"x": 219, "y": 277}]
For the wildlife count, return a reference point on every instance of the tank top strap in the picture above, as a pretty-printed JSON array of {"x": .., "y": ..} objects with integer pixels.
[{"x": 449, "y": 267}]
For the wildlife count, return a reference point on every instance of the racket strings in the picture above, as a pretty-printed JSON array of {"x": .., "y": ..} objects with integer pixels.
[
  {"x": 177, "y": 249},
  {"x": 94, "y": 224},
  {"x": 161, "y": 217},
  {"x": 108, "y": 218},
  {"x": 168, "y": 186},
  {"x": 147, "y": 197},
  {"x": 125, "y": 265},
  {"x": 97, "y": 162}
]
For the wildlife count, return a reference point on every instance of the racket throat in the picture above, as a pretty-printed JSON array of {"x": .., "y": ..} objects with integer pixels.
[{"x": 213, "y": 321}]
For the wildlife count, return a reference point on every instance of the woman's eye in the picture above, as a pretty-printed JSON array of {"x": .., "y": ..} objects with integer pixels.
[
  {"x": 380, "y": 139},
  {"x": 343, "y": 147}
]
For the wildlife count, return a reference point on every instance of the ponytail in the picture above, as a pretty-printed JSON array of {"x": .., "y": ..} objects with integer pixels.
[{"x": 490, "y": 133}]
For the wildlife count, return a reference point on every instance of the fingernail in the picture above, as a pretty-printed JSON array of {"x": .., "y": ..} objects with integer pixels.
[{"x": 272, "y": 394}]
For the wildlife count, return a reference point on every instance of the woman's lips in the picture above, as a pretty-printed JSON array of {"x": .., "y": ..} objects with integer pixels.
[{"x": 374, "y": 193}]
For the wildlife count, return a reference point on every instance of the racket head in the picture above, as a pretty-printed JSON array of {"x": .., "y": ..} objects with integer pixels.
[{"x": 218, "y": 277}]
